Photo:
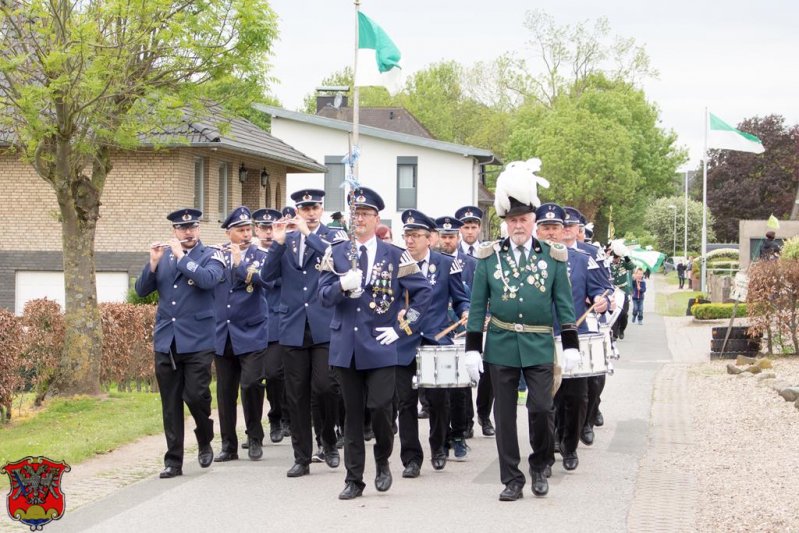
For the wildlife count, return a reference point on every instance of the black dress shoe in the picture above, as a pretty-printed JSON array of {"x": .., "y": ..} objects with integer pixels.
[
  {"x": 512, "y": 492},
  {"x": 170, "y": 471},
  {"x": 599, "y": 420},
  {"x": 383, "y": 479},
  {"x": 255, "y": 452},
  {"x": 540, "y": 484},
  {"x": 488, "y": 427},
  {"x": 570, "y": 460},
  {"x": 332, "y": 457},
  {"x": 587, "y": 435},
  {"x": 350, "y": 492},
  {"x": 412, "y": 470},
  {"x": 245, "y": 445},
  {"x": 286, "y": 430},
  {"x": 439, "y": 461},
  {"x": 368, "y": 433},
  {"x": 547, "y": 472},
  {"x": 276, "y": 433},
  {"x": 423, "y": 413},
  {"x": 469, "y": 433},
  {"x": 205, "y": 456},
  {"x": 298, "y": 470},
  {"x": 225, "y": 456}
]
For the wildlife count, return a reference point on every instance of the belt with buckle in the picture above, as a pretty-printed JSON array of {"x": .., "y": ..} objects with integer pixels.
[{"x": 520, "y": 328}]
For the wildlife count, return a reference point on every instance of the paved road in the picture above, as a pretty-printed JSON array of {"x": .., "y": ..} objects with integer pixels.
[{"x": 463, "y": 497}]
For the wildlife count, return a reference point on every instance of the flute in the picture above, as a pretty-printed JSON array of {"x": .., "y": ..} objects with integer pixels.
[{"x": 167, "y": 245}]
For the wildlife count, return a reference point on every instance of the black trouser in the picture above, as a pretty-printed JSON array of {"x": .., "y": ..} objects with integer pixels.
[
  {"x": 505, "y": 382},
  {"x": 621, "y": 323},
  {"x": 410, "y": 446},
  {"x": 460, "y": 404},
  {"x": 596, "y": 384},
  {"x": 423, "y": 399},
  {"x": 682, "y": 281},
  {"x": 485, "y": 396},
  {"x": 571, "y": 405},
  {"x": 233, "y": 370},
  {"x": 275, "y": 393},
  {"x": 307, "y": 372},
  {"x": 373, "y": 388},
  {"x": 190, "y": 382}
]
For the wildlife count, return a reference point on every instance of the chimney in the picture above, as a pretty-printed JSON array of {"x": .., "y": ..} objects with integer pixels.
[{"x": 333, "y": 96}]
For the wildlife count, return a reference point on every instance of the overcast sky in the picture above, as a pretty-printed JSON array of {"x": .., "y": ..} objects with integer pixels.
[{"x": 738, "y": 58}]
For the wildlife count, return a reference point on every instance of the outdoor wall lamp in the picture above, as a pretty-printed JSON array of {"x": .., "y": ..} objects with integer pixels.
[{"x": 242, "y": 173}]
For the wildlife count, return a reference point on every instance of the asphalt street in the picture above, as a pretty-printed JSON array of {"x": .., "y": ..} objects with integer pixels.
[{"x": 244, "y": 495}]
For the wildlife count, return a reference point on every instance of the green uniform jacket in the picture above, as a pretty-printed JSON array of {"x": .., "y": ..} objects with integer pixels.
[
  {"x": 622, "y": 274},
  {"x": 543, "y": 283}
]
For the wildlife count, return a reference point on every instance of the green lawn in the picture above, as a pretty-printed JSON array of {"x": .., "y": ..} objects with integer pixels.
[
  {"x": 76, "y": 429},
  {"x": 675, "y": 303}
]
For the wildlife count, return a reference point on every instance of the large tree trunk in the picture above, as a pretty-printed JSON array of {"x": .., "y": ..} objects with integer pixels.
[{"x": 79, "y": 200}]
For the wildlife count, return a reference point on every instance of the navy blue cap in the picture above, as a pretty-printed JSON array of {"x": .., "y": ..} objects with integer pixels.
[
  {"x": 185, "y": 217},
  {"x": 240, "y": 216},
  {"x": 573, "y": 216},
  {"x": 307, "y": 197},
  {"x": 448, "y": 224},
  {"x": 365, "y": 197},
  {"x": 413, "y": 219},
  {"x": 264, "y": 217},
  {"x": 469, "y": 213},
  {"x": 589, "y": 234},
  {"x": 289, "y": 211},
  {"x": 549, "y": 213}
]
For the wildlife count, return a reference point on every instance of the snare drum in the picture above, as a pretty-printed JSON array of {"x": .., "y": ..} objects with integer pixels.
[
  {"x": 595, "y": 351},
  {"x": 441, "y": 367}
]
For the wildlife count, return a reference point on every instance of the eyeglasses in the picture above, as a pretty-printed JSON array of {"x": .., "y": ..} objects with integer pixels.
[
  {"x": 364, "y": 214},
  {"x": 414, "y": 235}
]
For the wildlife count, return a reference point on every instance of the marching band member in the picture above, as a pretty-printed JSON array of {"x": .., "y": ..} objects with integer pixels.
[
  {"x": 443, "y": 273},
  {"x": 305, "y": 326},
  {"x": 525, "y": 283},
  {"x": 366, "y": 304},
  {"x": 273, "y": 363},
  {"x": 185, "y": 274},
  {"x": 571, "y": 400},
  {"x": 241, "y": 338}
]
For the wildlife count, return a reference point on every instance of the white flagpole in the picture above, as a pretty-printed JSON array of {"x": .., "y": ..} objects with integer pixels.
[
  {"x": 704, "y": 211},
  {"x": 685, "y": 237},
  {"x": 356, "y": 100}
]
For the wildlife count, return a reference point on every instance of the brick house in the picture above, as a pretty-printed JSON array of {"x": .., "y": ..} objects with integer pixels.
[{"x": 195, "y": 165}]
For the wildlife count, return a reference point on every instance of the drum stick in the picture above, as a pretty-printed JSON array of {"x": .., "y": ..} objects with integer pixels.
[
  {"x": 582, "y": 318},
  {"x": 454, "y": 325}
]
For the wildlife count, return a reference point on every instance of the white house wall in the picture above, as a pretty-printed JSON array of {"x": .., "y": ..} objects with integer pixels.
[{"x": 445, "y": 180}]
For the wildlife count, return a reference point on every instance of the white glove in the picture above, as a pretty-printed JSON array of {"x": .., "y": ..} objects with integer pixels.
[
  {"x": 474, "y": 365},
  {"x": 387, "y": 335},
  {"x": 571, "y": 359},
  {"x": 351, "y": 280}
]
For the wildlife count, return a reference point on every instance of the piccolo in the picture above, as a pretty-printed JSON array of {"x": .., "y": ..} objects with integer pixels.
[
  {"x": 229, "y": 245},
  {"x": 167, "y": 245}
]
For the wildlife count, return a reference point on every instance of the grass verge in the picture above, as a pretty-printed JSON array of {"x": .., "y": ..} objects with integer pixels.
[{"x": 675, "y": 303}]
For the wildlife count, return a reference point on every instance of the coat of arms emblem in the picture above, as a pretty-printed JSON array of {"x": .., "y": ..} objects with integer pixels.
[{"x": 35, "y": 498}]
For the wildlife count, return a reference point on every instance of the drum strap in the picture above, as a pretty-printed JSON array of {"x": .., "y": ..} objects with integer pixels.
[{"x": 520, "y": 328}]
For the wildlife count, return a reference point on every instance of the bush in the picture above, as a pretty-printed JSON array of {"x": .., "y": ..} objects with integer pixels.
[
  {"x": 773, "y": 303},
  {"x": 714, "y": 311},
  {"x": 43, "y": 344},
  {"x": 127, "y": 345},
  {"x": 790, "y": 248},
  {"x": 135, "y": 299},
  {"x": 10, "y": 348}
]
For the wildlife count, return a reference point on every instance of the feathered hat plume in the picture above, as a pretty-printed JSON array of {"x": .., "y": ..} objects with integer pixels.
[{"x": 517, "y": 188}]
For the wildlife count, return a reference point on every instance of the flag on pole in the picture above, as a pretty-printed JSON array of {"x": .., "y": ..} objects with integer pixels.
[
  {"x": 722, "y": 135},
  {"x": 773, "y": 223},
  {"x": 378, "y": 57}
]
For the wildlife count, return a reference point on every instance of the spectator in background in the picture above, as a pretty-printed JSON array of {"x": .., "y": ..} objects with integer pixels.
[
  {"x": 639, "y": 288},
  {"x": 681, "y": 273},
  {"x": 383, "y": 233},
  {"x": 338, "y": 221},
  {"x": 771, "y": 248},
  {"x": 689, "y": 267}
]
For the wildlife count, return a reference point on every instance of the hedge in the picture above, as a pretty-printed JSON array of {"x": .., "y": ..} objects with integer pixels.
[{"x": 714, "y": 311}]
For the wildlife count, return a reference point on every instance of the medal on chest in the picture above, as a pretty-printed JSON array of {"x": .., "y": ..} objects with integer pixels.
[{"x": 382, "y": 292}]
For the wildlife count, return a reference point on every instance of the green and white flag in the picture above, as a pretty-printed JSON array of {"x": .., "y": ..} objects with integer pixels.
[
  {"x": 722, "y": 135},
  {"x": 378, "y": 57}
]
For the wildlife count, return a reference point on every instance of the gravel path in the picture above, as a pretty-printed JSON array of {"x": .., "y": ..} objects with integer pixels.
[{"x": 746, "y": 454}]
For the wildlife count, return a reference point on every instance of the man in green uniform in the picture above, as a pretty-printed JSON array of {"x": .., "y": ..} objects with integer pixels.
[{"x": 525, "y": 284}]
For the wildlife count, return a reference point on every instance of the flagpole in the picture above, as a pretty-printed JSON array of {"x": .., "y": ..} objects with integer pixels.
[
  {"x": 704, "y": 210},
  {"x": 356, "y": 96},
  {"x": 685, "y": 237}
]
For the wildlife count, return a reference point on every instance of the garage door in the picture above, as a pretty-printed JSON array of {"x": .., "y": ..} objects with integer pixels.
[{"x": 30, "y": 285}]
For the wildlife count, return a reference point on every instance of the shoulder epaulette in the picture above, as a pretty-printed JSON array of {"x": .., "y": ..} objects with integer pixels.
[
  {"x": 558, "y": 251},
  {"x": 219, "y": 256},
  {"x": 338, "y": 236},
  {"x": 591, "y": 263},
  {"x": 457, "y": 266},
  {"x": 407, "y": 265},
  {"x": 326, "y": 264},
  {"x": 486, "y": 249}
]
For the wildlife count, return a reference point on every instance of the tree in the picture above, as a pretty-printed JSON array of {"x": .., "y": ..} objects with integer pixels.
[
  {"x": 741, "y": 185},
  {"x": 659, "y": 220},
  {"x": 368, "y": 96},
  {"x": 81, "y": 79},
  {"x": 600, "y": 146}
]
